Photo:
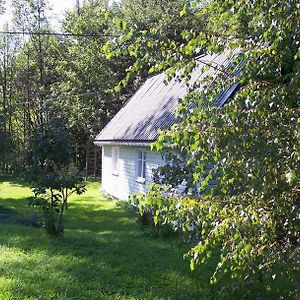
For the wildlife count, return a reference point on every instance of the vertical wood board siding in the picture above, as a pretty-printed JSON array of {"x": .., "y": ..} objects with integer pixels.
[{"x": 125, "y": 184}]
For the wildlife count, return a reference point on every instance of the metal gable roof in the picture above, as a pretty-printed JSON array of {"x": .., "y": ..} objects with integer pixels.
[{"x": 153, "y": 106}]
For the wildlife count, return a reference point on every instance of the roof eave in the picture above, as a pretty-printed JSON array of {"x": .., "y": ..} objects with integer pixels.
[{"x": 145, "y": 143}]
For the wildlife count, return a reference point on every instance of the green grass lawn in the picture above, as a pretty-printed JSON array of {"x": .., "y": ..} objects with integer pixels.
[{"x": 103, "y": 255}]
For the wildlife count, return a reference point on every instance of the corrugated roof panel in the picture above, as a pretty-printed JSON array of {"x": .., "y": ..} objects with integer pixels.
[
  {"x": 226, "y": 94},
  {"x": 118, "y": 127},
  {"x": 153, "y": 106}
]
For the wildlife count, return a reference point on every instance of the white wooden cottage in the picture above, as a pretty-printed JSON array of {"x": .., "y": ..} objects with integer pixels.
[{"x": 127, "y": 161}]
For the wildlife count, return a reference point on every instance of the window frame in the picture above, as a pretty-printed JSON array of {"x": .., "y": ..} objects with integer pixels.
[
  {"x": 115, "y": 154},
  {"x": 140, "y": 166}
]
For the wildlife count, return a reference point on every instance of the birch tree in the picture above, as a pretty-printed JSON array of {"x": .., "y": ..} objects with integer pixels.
[{"x": 250, "y": 220}]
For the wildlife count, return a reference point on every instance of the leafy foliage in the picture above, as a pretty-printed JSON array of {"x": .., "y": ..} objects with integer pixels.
[
  {"x": 250, "y": 147},
  {"x": 162, "y": 15},
  {"x": 151, "y": 211},
  {"x": 152, "y": 41},
  {"x": 51, "y": 174},
  {"x": 85, "y": 92},
  {"x": 51, "y": 147},
  {"x": 47, "y": 76},
  {"x": 44, "y": 76}
]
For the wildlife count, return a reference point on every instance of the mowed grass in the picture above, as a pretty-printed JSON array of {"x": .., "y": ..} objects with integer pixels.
[{"x": 103, "y": 255}]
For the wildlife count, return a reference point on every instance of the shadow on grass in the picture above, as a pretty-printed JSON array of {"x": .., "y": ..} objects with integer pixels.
[
  {"x": 9, "y": 215},
  {"x": 103, "y": 255},
  {"x": 6, "y": 214},
  {"x": 82, "y": 217},
  {"x": 17, "y": 181}
]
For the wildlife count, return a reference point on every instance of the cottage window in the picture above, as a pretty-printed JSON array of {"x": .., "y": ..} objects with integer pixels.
[
  {"x": 141, "y": 166},
  {"x": 115, "y": 159}
]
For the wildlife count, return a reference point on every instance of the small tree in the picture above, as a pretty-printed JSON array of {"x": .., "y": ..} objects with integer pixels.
[{"x": 51, "y": 173}]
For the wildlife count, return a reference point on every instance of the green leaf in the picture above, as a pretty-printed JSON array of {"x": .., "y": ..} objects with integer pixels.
[
  {"x": 124, "y": 25},
  {"x": 118, "y": 22},
  {"x": 118, "y": 88},
  {"x": 151, "y": 70},
  {"x": 182, "y": 12},
  {"x": 106, "y": 15},
  {"x": 291, "y": 177},
  {"x": 105, "y": 47}
]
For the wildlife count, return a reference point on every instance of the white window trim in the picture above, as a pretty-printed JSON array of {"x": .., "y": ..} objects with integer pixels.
[
  {"x": 115, "y": 151},
  {"x": 140, "y": 180},
  {"x": 143, "y": 161}
]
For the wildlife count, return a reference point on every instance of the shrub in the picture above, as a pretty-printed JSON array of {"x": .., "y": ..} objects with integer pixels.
[
  {"x": 152, "y": 212},
  {"x": 51, "y": 173}
]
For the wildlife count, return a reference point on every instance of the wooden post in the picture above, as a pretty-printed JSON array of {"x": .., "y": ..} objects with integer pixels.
[
  {"x": 78, "y": 8},
  {"x": 95, "y": 162},
  {"x": 86, "y": 161}
]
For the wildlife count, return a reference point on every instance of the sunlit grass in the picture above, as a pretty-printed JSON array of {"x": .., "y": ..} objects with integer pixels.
[{"x": 103, "y": 255}]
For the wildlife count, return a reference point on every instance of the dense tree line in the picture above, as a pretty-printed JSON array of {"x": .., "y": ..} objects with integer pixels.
[{"x": 43, "y": 76}]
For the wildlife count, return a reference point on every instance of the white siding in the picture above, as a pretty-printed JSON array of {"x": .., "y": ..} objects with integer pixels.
[{"x": 125, "y": 184}]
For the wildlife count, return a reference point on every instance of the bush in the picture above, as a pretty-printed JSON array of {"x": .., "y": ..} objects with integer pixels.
[
  {"x": 207, "y": 225},
  {"x": 164, "y": 214},
  {"x": 51, "y": 173}
]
